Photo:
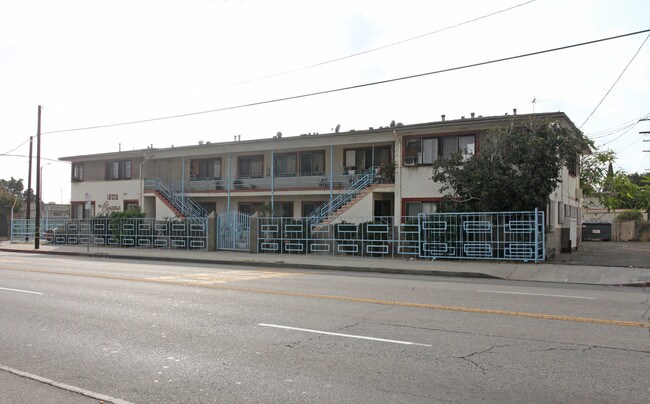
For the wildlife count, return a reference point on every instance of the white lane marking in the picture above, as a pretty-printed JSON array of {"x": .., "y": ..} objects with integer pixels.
[
  {"x": 23, "y": 291},
  {"x": 343, "y": 335},
  {"x": 537, "y": 294},
  {"x": 63, "y": 386}
]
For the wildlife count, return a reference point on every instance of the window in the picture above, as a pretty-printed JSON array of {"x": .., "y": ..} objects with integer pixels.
[
  {"x": 415, "y": 208},
  {"x": 312, "y": 163},
  {"x": 250, "y": 207},
  {"x": 78, "y": 210},
  {"x": 250, "y": 166},
  {"x": 131, "y": 205},
  {"x": 285, "y": 165},
  {"x": 572, "y": 165},
  {"x": 280, "y": 209},
  {"x": 118, "y": 170},
  {"x": 205, "y": 169},
  {"x": 358, "y": 159},
  {"x": 283, "y": 209},
  {"x": 422, "y": 151},
  {"x": 77, "y": 172},
  {"x": 309, "y": 207}
]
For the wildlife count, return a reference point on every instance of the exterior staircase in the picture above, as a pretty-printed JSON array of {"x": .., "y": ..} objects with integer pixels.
[
  {"x": 332, "y": 209},
  {"x": 348, "y": 205},
  {"x": 182, "y": 206}
]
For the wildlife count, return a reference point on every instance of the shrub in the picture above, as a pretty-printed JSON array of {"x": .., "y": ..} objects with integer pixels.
[{"x": 630, "y": 215}]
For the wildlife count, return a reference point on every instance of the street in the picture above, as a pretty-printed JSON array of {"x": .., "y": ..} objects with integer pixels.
[{"x": 143, "y": 331}]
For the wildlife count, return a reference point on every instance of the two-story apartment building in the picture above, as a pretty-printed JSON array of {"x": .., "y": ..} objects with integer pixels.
[{"x": 292, "y": 176}]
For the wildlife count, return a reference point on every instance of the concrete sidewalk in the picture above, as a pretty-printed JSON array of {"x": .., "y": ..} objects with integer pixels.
[{"x": 543, "y": 272}]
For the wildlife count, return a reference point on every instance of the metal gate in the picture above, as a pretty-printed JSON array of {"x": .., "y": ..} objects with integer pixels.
[{"x": 233, "y": 231}]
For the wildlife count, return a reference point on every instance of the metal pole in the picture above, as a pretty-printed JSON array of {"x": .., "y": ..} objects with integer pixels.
[
  {"x": 536, "y": 235},
  {"x": 229, "y": 181},
  {"x": 183, "y": 182},
  {"x": 37, "y": 232},
  {"x": 331, "y": 176},
  {"x": 272, "y": 183},
  {"x": 28, "y": 212}
]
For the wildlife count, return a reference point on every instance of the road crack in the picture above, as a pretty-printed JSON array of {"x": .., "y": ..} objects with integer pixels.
[{"x": 468, "y": 358}]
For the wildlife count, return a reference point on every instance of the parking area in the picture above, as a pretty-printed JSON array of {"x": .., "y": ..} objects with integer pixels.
[{"x": 608, "y": 253}]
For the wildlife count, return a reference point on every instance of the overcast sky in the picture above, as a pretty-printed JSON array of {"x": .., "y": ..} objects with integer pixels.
[{"x": 92, "y": 63}]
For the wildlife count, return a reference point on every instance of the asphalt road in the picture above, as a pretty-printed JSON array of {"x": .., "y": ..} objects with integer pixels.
[{"x": 159, "y": 332}]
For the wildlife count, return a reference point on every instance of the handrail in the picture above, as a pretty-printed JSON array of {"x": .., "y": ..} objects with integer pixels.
[
  {"x": 328, "y": 208},
  {"x": 186, "y": 205}
]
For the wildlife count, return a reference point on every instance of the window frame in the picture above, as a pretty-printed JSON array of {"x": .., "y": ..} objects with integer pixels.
[
  {"x": 312, "y": 171},
  {"x": 77, "y": 174},
  {"x": 124, "y": 170},
  {"x": 419, "y": 157},
  {"x": 276, "y": 164},
  {"x": 208, "y": 166},
  {"x": 250, "y": 159}
]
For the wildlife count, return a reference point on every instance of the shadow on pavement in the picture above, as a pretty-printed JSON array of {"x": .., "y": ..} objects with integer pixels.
[{"x": 608, "y": 253}]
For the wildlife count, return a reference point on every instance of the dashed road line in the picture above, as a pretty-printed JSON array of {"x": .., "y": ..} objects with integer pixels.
[
  {"x": 22, "y": 291},
  {"x": 537, "y": 294},
  {"x": 336, "y": 334}
]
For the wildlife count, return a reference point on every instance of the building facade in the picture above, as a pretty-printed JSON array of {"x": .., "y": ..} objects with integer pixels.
[{"x": 294, "y": 176}]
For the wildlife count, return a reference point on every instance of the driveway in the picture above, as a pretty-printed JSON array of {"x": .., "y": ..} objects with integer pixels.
[{"x": 608, "y": 253}]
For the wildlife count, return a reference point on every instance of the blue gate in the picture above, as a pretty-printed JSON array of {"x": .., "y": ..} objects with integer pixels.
[{"x": 233, "y": 231}]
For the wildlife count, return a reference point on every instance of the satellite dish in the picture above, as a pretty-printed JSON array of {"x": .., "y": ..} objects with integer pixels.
[{"x": 338, "y": 127}]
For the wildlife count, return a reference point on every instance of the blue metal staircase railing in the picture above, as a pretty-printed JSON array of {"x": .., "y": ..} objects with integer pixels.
[
  {"x": 327, "y": 209},
  {"x": 186, "y": 205}
]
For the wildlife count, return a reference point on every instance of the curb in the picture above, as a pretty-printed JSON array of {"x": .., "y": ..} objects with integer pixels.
[{"x": 343, "y": 268}]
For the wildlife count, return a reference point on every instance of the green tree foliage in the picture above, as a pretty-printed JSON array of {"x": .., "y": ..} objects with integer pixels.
[
  {"x": 593, "y": 170},
  {"x": 516, "y": 168},
  {"x": 11, "y": 194},
  {"x": 626, "y": 191}
]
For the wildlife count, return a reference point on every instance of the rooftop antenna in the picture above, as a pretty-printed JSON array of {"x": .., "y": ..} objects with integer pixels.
[{"x": 338, "y": 127}]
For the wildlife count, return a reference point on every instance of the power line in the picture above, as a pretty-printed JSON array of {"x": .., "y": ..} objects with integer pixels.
[
  {"x": 381, "y": 47},
  {"x": 42, "y": 158},
  {"x": 15, "y": 148},
  {"x": 620, "y": 136},
  {"x": 619, "y": 77},
  {"x": 353, "y": 87}
]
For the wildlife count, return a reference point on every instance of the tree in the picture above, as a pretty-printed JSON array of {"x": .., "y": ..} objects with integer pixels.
[
  {"x": 516, "y": 169},
  {"x": 10, "y": 195},
  {"x": 593, "y": 170}
]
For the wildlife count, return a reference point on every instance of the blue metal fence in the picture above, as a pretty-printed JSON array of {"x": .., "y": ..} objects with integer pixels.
[
  {"x": 517, "y": 236},
  {"x": 190, "y": 233}
]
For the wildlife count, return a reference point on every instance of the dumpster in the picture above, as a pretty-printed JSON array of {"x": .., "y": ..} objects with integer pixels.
[{"x": 597, "y": 231}]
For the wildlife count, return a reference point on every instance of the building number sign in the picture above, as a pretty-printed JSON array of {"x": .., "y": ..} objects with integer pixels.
[{"x": 112, "y": 197}]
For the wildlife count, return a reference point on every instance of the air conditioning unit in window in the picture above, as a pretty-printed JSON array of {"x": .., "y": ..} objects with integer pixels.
[{"x": 410, "y": 160}]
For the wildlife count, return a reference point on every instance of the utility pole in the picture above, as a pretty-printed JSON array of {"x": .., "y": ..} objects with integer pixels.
[
  {"x": 37, "y": 233},
  {"x": 28, "y": 212}
]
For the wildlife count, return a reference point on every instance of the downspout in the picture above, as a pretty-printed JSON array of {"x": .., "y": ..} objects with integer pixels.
[{"x": 146, "y": 159}]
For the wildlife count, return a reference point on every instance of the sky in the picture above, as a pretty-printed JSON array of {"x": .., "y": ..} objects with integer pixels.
[{"x": 94, "y": 63}]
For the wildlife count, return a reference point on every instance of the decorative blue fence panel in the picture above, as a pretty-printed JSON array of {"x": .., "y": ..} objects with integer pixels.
[
  {"x": 517, "y": 236},
  {"x": 190, "y": 233},
  {"x": 498, "y": 235}
]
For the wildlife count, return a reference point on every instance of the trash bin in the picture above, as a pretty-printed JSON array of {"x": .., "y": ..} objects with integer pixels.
[{"x": 597, "y": 231}]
